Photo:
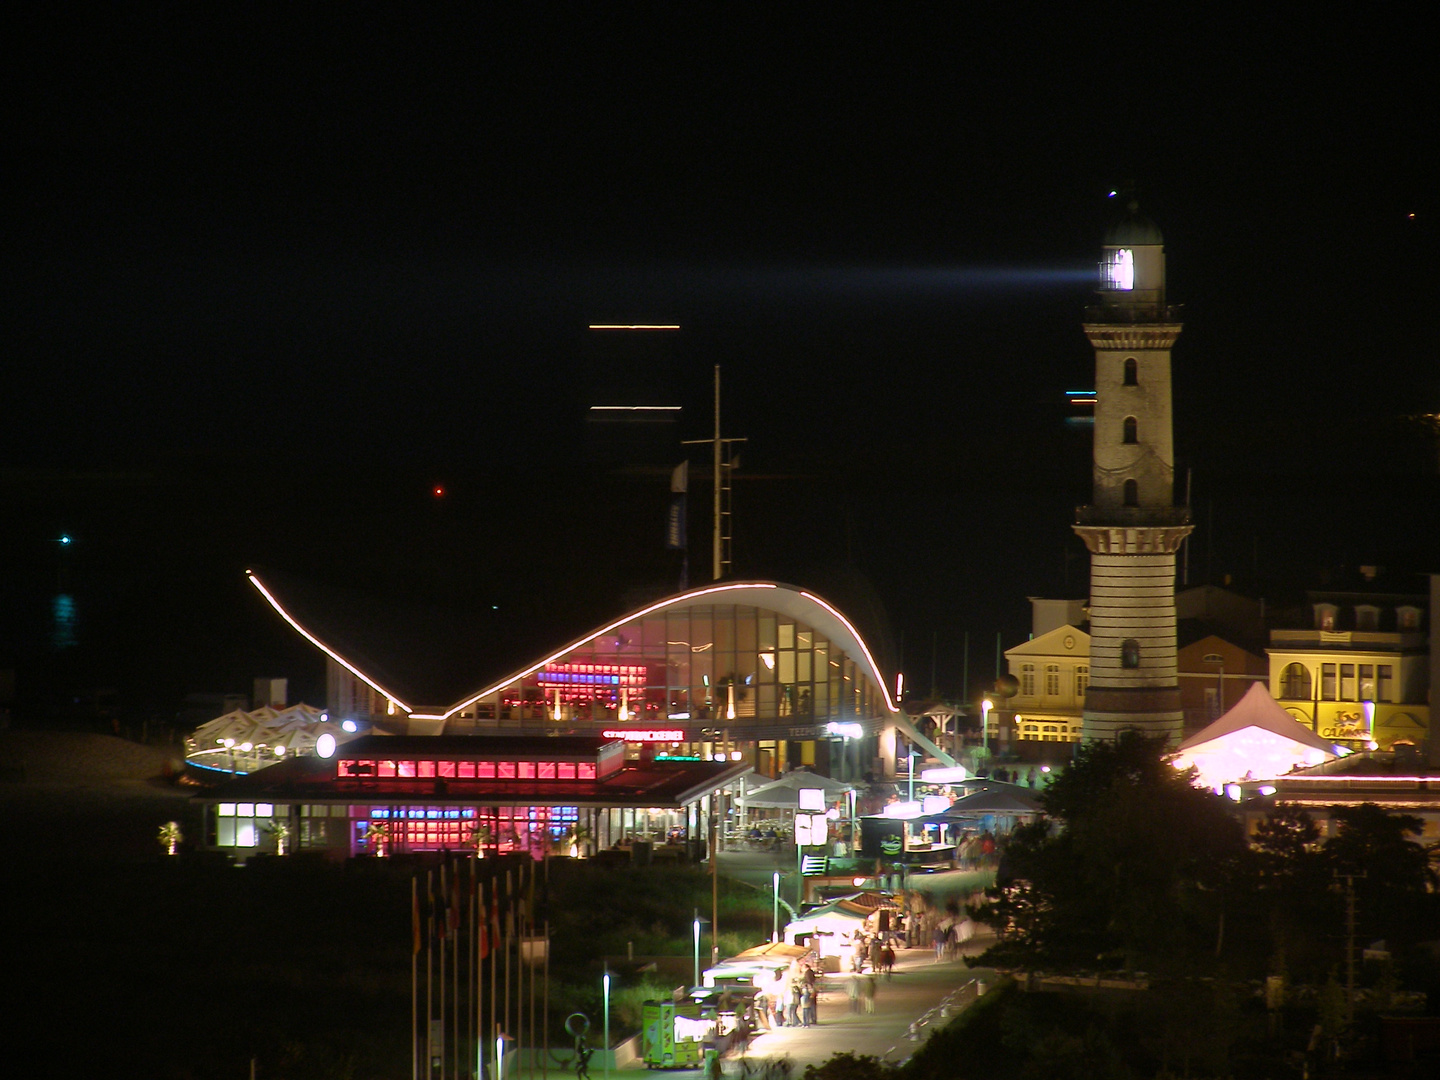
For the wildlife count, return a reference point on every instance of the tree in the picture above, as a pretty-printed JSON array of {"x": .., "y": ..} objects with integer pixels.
[{"x": 1138, "y": 872}]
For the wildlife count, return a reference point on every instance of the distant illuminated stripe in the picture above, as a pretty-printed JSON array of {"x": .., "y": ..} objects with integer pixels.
[
  {"x": 322, "y": 646},
  {"x": 634, "y": 326},
  {"x": 634, "y": 408}
]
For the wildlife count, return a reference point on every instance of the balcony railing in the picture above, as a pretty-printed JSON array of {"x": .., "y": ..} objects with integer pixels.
[
  {"x": 1134, "y": 313},
  {"x": 1133, "y": 516}
]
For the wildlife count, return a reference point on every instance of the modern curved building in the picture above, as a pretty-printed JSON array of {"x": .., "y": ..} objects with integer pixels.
[{"x": 753, "y": 671}]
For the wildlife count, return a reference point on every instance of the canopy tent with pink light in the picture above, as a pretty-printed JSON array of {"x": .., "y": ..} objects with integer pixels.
[{"x": 1255, "y": 740}]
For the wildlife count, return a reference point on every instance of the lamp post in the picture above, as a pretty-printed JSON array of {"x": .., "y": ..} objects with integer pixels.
[
  {"x": 774, "y": 907},
  {"x": 910, "y": 760},
  {"x": 985, "y": 707},
  {"x": 607, "y": 1020}
]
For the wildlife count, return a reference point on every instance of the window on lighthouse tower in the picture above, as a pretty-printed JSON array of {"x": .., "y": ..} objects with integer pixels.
[
  {"x": 1132, "y": 430},
  {"x": 1132, "y": 371},
  {"x": 1132, "y": 493}
]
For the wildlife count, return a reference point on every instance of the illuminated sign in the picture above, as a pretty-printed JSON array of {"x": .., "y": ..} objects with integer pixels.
[
  {"x": 644, "y": 734},
  {"x": 811, "y": 798}
]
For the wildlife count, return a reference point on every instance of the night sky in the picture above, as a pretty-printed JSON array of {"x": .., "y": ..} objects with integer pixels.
[{"x": 273, "y": 276}]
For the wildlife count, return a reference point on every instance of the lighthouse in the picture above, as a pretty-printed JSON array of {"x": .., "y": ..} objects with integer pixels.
[{"x": 1132, "y": 526}]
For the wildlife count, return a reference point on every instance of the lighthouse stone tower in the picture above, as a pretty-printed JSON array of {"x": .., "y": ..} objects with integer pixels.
[{"x": 1132, "y": 526}]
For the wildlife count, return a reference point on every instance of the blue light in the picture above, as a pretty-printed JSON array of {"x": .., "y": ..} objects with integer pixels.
[{"x": 64, "y": 539}]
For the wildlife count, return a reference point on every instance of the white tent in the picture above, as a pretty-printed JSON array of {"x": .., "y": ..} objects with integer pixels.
[
  {"x": 242, "y": 742},
  {"x": 1255, "y": 740}
]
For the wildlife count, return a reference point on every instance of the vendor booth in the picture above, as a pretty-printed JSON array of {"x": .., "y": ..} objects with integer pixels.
[{"x": 831, "y": 929}]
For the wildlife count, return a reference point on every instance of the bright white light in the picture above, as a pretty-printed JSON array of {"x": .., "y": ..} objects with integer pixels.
[
  {"x": 904, "y": 810},
  {"x": 719, "y": 757},
  {"x": 1267, "y": 789},
  {"x": 325, "y": 745},
  {"x": 844, "y": 731},
  {"x": 279, "y": 751},
  {"x": 1233, "y": 791},
  {"x": 350, "y": 726},
  {"x": 1121, "y": 271},
  {"x": 735, "y": 755},
  {"x": 935, "y": 804},
  {"x": 768, "y": 659},
  {"x": 948, "y": 775}
]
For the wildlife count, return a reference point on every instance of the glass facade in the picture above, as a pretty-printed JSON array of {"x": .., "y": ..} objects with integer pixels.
[{"x": 732, "y": 664}]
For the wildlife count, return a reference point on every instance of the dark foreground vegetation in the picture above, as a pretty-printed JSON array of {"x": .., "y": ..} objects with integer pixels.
[{"x": 185, "y": 968}]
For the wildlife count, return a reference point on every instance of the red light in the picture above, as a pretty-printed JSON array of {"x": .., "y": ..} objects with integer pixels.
[{"x": 438, "y": 491}]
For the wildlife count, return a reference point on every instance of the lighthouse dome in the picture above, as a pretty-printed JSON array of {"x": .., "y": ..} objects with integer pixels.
[{"x": 1134, "y": 230}]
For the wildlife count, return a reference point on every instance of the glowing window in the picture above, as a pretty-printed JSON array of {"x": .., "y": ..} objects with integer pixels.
[
  {"x": 547, "y": 770},
  {"x": 565, "y": 771},
  {"x": 445, "y": 768},
  {"x": 264, "y": 809},
  {"x": 1082, "y": 680},
  {"x": 1119, "y": 269},
  {"x": 245, "y": 809},
  {"x": 585, "y": 771},
  {"x": 225, "y": 809},
  {"x": 425, "y": 768},
  {"x": 1027, "y": 680},
  {"x": 405, "y": 769},
  {"x": 525, "y": 770},
  {"x": 1052, "y": 680},
  {"x": 485, "y": 770},
  {"x": 505, "y": 770}
]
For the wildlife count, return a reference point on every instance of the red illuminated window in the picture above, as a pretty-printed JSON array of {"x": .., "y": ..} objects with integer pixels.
[
  {"x": 525, "y": 770},
  {"x": 465, "y": 770},
  {"x": 425, "y": 768},
  {"x": 485, "y": 770},
  {"x": 385, "y": 768},
  {"x": 445, "y": 768},
  {"x": 586, "y": 771},
  {"x": 505, "y": 770},
  {"x": 405, "y": 769},
  {"x": 565, "y": 770},
  {"x": 547, "y": 770}
]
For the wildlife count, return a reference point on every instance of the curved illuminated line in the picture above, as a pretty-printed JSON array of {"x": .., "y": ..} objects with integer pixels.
[
  {"x": 589, "y": 638},
  {"x": 874, "y": 667},
  {"x": 322, "y": 646}
]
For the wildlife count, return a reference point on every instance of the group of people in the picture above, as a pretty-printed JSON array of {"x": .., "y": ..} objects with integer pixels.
[
  {"x": 877, "y": 951},
  {"x": 791, "y": 1001}
]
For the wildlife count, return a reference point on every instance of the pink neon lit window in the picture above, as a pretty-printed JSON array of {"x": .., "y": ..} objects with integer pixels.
[
  {"x": 565, "y": 770},
  {"x": 585, "y": 771},
  {"x": 465, "y": 770},
  {"x": 505, "y": 770},
  {"x": 445, "y": 768},
  {"x": 385, "y": 768},
  {"x": 547, "y": 770},
  {"x": 525, "y": 770},
  {"x": 425, "y": 768},
  {"x": 485, "y": 770}
]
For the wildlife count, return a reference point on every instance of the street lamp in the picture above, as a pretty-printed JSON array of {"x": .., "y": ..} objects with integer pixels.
[
  {"x": 985, "y": 707},
  {"x": 607, "y": 1021},
  {"x": 774, "y": 908}
]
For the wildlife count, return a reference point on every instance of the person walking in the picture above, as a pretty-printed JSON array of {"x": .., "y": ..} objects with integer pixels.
[
  {"x": 852, "y": 992},
  {"x": 868, "y": 992},
  {"x": 807, "y": 1005}
]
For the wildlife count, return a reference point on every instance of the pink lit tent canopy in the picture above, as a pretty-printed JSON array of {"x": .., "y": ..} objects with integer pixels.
[{"x": 1256, "y": 740}]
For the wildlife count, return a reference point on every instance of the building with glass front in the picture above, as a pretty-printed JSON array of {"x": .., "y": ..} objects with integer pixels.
[{"x": 756, "y": 672}]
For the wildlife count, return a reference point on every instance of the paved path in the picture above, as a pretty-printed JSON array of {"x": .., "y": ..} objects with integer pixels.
[{"x": 918, "y": 985}]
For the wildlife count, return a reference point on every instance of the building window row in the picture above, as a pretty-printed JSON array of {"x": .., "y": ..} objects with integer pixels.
[
  {"x": 467, "y": 770},
  {"x": 1339, "y": 682}
]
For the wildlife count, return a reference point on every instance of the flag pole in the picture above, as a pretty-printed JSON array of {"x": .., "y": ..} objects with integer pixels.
[{"x": 414, "y": 975}]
